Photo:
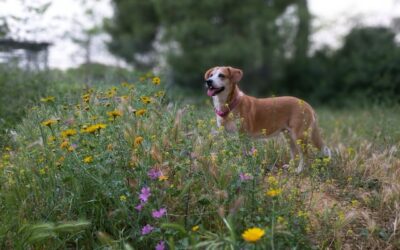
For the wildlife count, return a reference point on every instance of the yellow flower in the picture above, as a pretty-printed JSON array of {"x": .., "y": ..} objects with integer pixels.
[
  {"x": 273, "y": 192},
  {"x": 156, "y": 80},
  {"x": 272, "y": 181},
  {"x": 88, "y": 159},
  {"x": 42, "y": 171},
  {"x": 138, "y": 140},
  {"x": 122, "y": 198},
  {"x": 195, "y": 228},
  {"x": 160, "y": 93},
  {"x": 140, "y": 112},
  {"x": 52, "y": 138},
  {"x": 49, "y": 122},
  {"x": 163, "y": 178},
  {"x": 48, "y": 99},
  {"x": 86, "y": 98},
  {"x": 145, "y": 99},
  {"x": 253, "y": 235},
  {"x": 64, "y": 144},
  {"x": 94, "y": 128},
  {"x": 114, "y": 113},
  {"x": 68, "y": 133}
]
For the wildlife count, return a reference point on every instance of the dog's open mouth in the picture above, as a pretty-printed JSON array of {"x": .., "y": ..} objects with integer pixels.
[{"x": 211, "y": 91}]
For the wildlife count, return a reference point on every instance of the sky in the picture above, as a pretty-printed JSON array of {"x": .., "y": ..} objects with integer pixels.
[{"x": 65, "y": 18}]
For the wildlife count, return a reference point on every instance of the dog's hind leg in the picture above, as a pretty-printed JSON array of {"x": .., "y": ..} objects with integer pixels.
[{"x": 296, "y": 150}]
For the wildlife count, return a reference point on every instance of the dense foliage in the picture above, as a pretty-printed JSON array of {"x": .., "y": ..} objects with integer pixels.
[
  {"x": 269, "y": 40},
  {"x": 196, "y": 35}
]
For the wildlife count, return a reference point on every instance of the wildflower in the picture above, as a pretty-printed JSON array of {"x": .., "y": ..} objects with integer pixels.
[
  {"x": 253, "y": 152},
  {"x": 115, "y": 113},
  {"x": 138, "y": 140},
  {"x": 272, "y": 181},
  {"x": 195, "y": 228},
  {"x": 42, "y": 171},
  {"x": 122, "y": 198},
  {"x": 49, "y": 122},
  {"x": 245, "y": 177},
  {"x": 71, "y": 148},
  {"x": 160, "y": 245},
  {"x": 86, "y": 98},
  {"x": 140, "y": 112},
  {"x": 145, "y": 99},
  {"x": 158, "y": 213},
  {"x": 64, "y": 144},
  {"x": 274, "y": 192},
  {"x": 159, "y": 93},
  {"x": 94, "y": 128},
  {"x": 163, "y": 178},
  {"x": 147, "y": 229},
  {"x": 48, "y": 99},
  {"x": 154, "y": 173},
  {"x": 52, "y": 138},
  {"x": 144, "y": 194},
  {"x": 88, "y": 159},
  {"x": 140, "y": 206},
  {"x": 281, "y": 220},
  {"x": 156, "y": 80},
  {"x": 124, "y": 97},
  {"x": 68, "y": 133},
  {"x": 253, "y": 235}
]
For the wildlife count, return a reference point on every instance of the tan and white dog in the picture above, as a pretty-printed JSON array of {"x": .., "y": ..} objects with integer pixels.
[{"x": 262, "y": 118}]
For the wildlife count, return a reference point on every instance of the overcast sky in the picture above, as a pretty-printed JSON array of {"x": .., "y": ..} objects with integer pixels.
[{"x": 66, "y": 17}]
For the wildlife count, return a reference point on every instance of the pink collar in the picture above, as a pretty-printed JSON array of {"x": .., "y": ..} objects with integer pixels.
[{"x": 231, "y": 106}]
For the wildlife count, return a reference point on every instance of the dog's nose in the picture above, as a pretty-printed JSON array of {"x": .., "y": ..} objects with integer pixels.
[{"x": 209, "y": 82}]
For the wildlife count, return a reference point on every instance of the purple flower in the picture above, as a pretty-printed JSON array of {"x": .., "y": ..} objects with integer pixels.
[
  {"x": 160, "y": 245},
  {"x": 154, "y": 173},
  {"x": 147, "y": 229},
  {"x": 158, "y": 214},
  {"x": 245, "y": 176},
  {"x": 140, "y": 206},
  {"x": 144, "y": 194}
]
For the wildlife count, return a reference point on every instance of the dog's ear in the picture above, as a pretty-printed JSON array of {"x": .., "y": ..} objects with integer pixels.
[
  {"x": 207, "y": 74},
  {"x": 235, "y": 74}
]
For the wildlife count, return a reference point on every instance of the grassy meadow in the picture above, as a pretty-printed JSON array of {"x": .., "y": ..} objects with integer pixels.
[{"x": 128, "y": 167}]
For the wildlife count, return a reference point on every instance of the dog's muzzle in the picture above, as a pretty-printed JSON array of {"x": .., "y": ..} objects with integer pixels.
[{"x": 211, "y": 90}]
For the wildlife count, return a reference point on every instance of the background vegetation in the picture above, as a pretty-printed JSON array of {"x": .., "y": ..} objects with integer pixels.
[{"x": 269, "y": 40}]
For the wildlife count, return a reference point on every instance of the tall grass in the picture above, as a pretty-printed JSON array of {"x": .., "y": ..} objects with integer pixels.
[{"x": 123, "y": 167}]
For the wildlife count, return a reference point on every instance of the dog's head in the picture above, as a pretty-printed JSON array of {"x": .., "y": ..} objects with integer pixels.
[{"x": 221, "y": 79}]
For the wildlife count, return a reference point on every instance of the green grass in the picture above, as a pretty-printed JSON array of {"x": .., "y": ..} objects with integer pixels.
[{"x": 80, "y": 191}]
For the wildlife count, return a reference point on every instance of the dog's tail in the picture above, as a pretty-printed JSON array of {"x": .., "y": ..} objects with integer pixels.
[{"x": 317, "y": 139}]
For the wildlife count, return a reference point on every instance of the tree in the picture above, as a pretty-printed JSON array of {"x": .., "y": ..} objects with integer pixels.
[{"x": 201, "y": 34}]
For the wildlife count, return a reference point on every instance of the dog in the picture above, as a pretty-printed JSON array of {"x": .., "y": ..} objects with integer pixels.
[{"x": 265, "y": 117}]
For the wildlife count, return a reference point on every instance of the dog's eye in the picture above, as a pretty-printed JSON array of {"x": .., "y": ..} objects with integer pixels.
[
  {"x": 211, "y": 75},
  {"x": 221, "y": 76}
]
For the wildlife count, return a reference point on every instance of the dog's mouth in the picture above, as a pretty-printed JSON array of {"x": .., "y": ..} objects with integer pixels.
[{"x": 211, "y": 91}]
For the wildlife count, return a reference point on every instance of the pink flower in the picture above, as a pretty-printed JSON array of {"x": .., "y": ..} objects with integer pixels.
[
  {"x": 245, "y": 176},
  {"x": 147, "y": 229},
  {"x": 144, "y": 194},
  {"x": 158, "y": 214},
  {"x": 140, "y": 206},
  {"x": 160, "y": 245},
  {"x": 154, "y": 173}
]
